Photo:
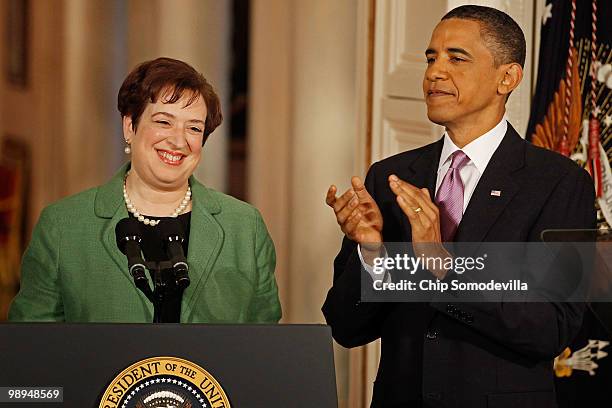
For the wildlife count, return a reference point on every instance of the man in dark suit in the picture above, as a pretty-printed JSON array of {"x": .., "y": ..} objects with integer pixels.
[{"x": 480, "y": 183}]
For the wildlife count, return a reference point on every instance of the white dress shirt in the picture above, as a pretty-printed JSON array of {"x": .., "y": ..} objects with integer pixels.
[{"x": 480, "y": 151}]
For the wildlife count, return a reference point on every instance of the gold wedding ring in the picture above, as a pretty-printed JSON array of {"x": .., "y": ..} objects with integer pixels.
[{"x": 417, "y": 210}]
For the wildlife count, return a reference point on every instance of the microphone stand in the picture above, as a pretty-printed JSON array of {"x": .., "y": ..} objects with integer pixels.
[
  {"x": 157, "y": 295},
  {"x": 162, "y": 273}
]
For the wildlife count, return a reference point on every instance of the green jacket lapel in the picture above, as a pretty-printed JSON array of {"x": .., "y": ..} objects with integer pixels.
[
  {"x": 205, "y": 241},
  {"x": 109, "y": 206}
]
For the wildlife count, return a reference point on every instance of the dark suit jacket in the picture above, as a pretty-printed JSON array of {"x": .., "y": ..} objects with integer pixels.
[{"x": 468, "y": 354}]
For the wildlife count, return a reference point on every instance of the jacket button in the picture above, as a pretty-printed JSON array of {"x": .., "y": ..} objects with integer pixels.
[
  {"x": 432, "y": 334},
  {"x": 469, "y": 319},
  {"x": 450, "y": 308}
]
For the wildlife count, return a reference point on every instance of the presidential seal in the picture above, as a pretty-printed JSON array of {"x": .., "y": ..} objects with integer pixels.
[{"x": 164, "y": 382}]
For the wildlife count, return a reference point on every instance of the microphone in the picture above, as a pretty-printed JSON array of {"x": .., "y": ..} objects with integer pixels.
[
  {"x": 173, "y": 236},
  {"x": 128, "y": 239}
]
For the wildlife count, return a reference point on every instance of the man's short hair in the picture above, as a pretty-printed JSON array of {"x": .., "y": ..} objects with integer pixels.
[{"x": 500, "y": 33}]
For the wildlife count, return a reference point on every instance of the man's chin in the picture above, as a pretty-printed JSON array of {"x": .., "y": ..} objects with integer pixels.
[{"x": 439, "y": 118}]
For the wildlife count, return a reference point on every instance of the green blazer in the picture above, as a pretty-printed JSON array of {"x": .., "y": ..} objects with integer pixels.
[{"x": 73, "y": 271}]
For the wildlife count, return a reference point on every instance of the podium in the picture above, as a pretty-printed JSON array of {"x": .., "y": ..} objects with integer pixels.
[{"x": 101, "y": 365}]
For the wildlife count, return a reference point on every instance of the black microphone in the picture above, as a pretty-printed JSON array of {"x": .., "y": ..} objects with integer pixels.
[
  {"x": 127, "y": 234},
  {"x": 173, "y": 236}
]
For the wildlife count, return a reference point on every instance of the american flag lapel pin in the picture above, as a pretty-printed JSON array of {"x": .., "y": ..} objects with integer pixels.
[{"x": 496, "y": 193}]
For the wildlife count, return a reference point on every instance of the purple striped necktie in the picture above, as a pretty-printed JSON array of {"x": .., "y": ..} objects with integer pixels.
[{"x": 449, "y": 197}]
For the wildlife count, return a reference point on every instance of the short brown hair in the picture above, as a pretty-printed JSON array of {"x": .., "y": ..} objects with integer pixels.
[{"x": 172, "y": 77}]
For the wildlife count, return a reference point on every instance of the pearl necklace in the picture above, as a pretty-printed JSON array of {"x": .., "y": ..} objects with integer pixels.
[{"x": 146, "y": 220}]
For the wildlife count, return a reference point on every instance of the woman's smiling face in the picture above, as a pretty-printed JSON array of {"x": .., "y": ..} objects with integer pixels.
[{"x": 167, "y": 143}]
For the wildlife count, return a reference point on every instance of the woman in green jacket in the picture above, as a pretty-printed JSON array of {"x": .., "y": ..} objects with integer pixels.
[{"x": 73, "y": 270}]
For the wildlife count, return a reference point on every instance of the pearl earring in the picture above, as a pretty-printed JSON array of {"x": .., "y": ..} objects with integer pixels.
[{"x": 127, "y": 149}]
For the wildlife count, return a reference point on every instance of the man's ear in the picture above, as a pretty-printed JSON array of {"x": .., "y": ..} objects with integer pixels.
[
  {"x": 511, "y": 78},
  {"x": 128, "y": 129}
]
